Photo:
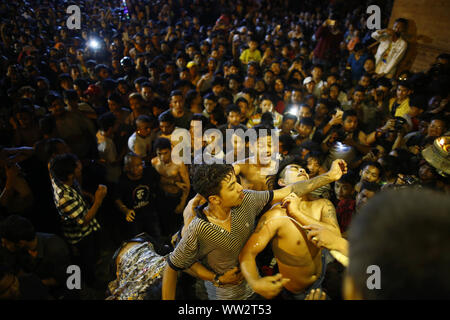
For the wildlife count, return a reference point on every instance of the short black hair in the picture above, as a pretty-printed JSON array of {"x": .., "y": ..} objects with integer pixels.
[
  {"x": 288, "y": 116},
  {"x": 408, "y": 242},
  {"x": 307, "y": 121},
  {"x": 106, "y": 121},
  {"x": 166, "y": 116},
  {"x": 210, "y": 96},
  {"x": 63, "y": 165},
  {"x": 161, "y": 144},
  {"x": 207, "y": 178},
  {"x": 373, "y": 164},
  {"x": 349, "y": 178},
  {"x": 232, "y": 108},
  {"x": 15, "y": 228},
  {"x": 349, "y": 113},
  {"x": 371, "y": 186}
]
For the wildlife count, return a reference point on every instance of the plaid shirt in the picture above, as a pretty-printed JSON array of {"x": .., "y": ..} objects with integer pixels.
[{"x": 72, "y": 208}]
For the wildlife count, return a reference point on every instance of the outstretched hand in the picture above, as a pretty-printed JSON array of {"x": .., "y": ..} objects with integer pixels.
[{"x": 338, "y": 169}]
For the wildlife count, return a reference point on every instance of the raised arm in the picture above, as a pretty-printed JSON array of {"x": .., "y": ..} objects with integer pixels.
[
  {"x": 338, "y": 168},
  {"x": 267, "y": 287}
]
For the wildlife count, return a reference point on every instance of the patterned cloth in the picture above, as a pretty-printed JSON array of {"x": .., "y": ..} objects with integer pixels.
[
  {"x": 139, "y": 268},
  {"x": 72, "y": 208}
]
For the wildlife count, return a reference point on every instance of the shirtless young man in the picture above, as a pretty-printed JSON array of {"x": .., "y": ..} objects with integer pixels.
[
  {"x": 253, "y": 176},
  {"x": 174, "y": 181},
  {"x": 300, "y": 262}
]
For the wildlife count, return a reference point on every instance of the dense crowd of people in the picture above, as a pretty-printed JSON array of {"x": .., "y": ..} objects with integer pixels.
[{"x": 86, "y": 124}]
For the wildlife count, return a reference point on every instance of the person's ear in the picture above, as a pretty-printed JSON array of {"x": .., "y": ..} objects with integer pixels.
[
  {"x": 281, "y": 182},
  {"x": 349, "y": 291},
  {"x": 214, "y": 200}
]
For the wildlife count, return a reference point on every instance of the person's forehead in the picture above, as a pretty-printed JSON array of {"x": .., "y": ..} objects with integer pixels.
[
  {"x": 371, "y": 169},
  {"x": 294, "y": 167}
]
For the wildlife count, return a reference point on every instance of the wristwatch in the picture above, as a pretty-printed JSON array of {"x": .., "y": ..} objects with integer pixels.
[{"x": 216, "y": 280}]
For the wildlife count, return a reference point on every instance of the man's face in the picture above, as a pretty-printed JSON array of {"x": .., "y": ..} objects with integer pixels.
[
  {"x": 147, "y": 93},
  {"x": 304, "y": 130},
  {"x": 166, "y": 127},
  {"x": 304, "y": 112},
  {"x": 363, "y": 197},
  {"x": 436, "y": 128},
  {"x": 268, "y": 78},
  {"x": 135, "y": 167},
  {"x": 313, "y": 166},
  {"x": 398, "y": 28},
  {"x": 217, "y": 89},
  {"x": 265, "y": 148},
  {"x": 294, "y": 173},
  {"x": 279, "y": 86},
  {"x": 370, "y": 174},
  {"x": 234, "y": 118},
  {"x": 350, "y": 123},
  {"x": 251, "y": 71},
  {"x": 57, "y": 107},
  {"x": 164, "y": 155},
  {"x": 134, "y": 104},
  {"x": 358, "y": 97},
  {"x": 143, "y": 129},
  {"x": 426, "y": 173},
  {"x": 176, "y": 102},
  {"x": 364, "y": 81},
  {"x": 321, "y": 110},
  {"x": 209, "y": 105},
  {"x": 296, "y": 96},
  {"x": 369, "y": 65},
  {"x": 343, "y": 190},
  {"x": 113, "y": 106},
  {"x": 266, "y": 106},
  {"x": 288, "y": 125},
  {"x": 316, "y": 73},
  {"x": 231, "y": 193},
  {"x": 275, "y": 68},
  {"x": 402, "y": 92}
]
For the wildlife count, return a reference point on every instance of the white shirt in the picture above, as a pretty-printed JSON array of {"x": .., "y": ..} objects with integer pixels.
[
  {"x": 396, "y": 53},
  {"x": 139, "y": 145}
]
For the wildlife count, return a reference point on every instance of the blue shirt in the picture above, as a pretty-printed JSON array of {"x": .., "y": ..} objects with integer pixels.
[{"x": 357, "y": 65}]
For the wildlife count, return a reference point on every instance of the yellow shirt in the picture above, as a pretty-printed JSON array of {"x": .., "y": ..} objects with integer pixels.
[
  {"x": 248, "y": 56},
  {"x": 402, "y": 109},
  {"x": 256, "y": 119}
]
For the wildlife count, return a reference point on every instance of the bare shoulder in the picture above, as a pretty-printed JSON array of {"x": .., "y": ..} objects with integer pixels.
[
  {"x": 272, "y": 218},
  {"x": 155, "y": 161},
  {"x": 323, "y": 202}
]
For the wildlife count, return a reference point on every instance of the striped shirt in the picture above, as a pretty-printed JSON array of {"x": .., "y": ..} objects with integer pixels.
[
  {"x": 72, "y": 208},
  {"x": 216, "y": 248}
]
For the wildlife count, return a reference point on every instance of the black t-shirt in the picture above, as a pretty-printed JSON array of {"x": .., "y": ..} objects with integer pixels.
[{"x": 139, "y": 195}]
